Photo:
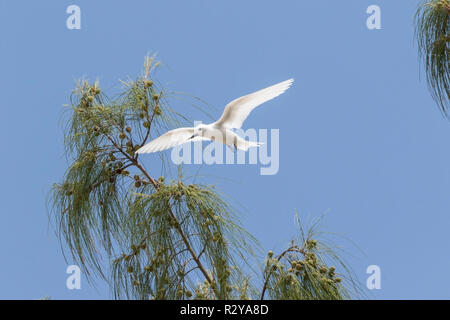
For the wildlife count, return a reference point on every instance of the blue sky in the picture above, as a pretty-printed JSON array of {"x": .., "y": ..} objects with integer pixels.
[{"x": 360, "y": 137}]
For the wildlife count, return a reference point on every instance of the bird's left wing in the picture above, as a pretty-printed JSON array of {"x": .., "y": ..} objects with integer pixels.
[
  {"x": 238, "y": 110},
  {"x": 170, "y": 139}
]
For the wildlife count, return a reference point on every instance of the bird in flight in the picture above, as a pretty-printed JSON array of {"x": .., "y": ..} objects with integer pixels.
[{"x": 233, "y": 117}]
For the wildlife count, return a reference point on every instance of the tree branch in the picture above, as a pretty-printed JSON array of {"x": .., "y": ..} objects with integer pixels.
[
  {"x": 291, "y": 249},
  {"x": 172, "y": 215}
]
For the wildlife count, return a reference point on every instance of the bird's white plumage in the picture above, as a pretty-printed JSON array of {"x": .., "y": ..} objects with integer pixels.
[
  {"x": 238, "y": 110},
  {"x": 233, "y": 116},
  {"x": 169, "y": 140}
]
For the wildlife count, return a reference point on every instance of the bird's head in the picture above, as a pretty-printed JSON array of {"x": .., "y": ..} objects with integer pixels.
[{"x": 199, "y": 130}]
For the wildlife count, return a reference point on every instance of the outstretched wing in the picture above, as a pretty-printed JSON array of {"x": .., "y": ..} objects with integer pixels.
[
  {"x": 169, "y": 140},
  {"x": 238, "y": 110}
]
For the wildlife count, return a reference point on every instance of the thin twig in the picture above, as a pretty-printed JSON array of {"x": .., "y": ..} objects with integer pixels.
[{"x": 293, "y": 248}]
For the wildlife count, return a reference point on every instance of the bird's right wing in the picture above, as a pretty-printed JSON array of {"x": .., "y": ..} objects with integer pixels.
[
  {"x": 238, "y": 110},
  {"x": 170, "y": 139}
]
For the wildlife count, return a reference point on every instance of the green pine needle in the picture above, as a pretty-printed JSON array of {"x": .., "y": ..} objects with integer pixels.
[{"x": 433, "y": 38}]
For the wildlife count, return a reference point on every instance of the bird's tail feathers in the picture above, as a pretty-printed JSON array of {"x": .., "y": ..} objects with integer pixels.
[{"x": 245, "y": 145}]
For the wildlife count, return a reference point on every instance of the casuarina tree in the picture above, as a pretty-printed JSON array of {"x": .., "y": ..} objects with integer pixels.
[{"x": 159, "y": 238}]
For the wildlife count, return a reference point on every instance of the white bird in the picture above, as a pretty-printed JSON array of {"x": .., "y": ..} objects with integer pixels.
[{"x": 233, "y": 117}]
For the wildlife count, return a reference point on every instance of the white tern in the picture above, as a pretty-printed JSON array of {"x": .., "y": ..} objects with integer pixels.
[{"x": 233, "y": 117}]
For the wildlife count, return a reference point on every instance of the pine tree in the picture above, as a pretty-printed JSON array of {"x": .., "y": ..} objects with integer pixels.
[
  {"x": 433, "y": 38},
  {"x": 160, "y": 237}
]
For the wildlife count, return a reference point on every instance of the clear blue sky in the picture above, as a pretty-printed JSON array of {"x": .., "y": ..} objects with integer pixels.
[{"x": 360, "y": 136}]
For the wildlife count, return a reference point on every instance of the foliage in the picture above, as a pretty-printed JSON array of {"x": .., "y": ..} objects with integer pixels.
[
  {"x": 162, "y": 240},
  {"x": 301, "y": 273},
  {"x": 433, "y": 38}
]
